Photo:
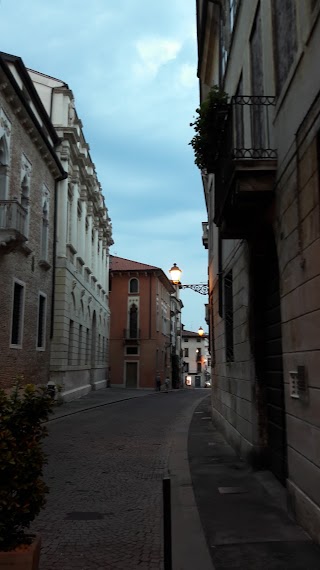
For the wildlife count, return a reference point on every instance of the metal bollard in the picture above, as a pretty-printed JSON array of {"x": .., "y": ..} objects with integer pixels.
[{"x": 167, "y": 545}]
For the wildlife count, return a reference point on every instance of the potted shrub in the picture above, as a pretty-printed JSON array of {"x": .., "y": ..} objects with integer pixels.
[
  {"x": 208, "y": 125},
  {"x": 22, "y": 490}
]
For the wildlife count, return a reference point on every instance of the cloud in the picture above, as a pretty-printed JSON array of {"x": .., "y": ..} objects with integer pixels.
[
  {"x": 132, "y": 68},
  {"x": 153, "y": 54},
  {"x": 187, "y": 75}
]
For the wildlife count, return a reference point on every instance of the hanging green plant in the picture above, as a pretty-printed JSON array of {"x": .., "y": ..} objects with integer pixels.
[{"x": 207, "y": 126}]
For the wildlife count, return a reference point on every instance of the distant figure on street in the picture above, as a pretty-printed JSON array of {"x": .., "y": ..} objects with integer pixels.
[
  {"x": 167, "y": 383},
  {"x": 158, "y": 382}
]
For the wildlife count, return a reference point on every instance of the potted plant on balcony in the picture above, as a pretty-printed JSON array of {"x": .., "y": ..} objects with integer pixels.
[
  {"x": 208, "y": 125},
  {"x": 22, "y": 490}
]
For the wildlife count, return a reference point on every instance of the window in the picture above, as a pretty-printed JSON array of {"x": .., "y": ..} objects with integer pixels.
[
  {"x": 234, "y": 5},
  {"x": 133, "y": 321},
  {"x": 131, "y": 350},
  {"x": 134, "y": 285},
  {"x": 4, "y": 161},
  {"x": 80, "y": 345},
  {"x": 5, "y": 133},
  {"x": 41, "y": 333},
  {"x": 17, "y": 314},
  {"x": 45, "y": 224},
  {"x": 25, "y": 189},
  {"x": 198, "y": 339},
  {"x": 185, "y": 340},
  {"x": 285, "y": 36},
  {"x": 87, "y": 346},
  {"x": 71, "y": 342},
  {"x": 198, "y": 367},
  {"x": 228, "y": 316},
  {"x": 186, "y": 366},
  {"x": 186, "y": 352},
  {"x": 257, "y": 111}
]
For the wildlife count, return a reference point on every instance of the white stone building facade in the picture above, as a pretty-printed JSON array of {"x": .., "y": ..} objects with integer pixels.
[
  {"x": 195, "y": 357},
  {"x": 262, "y": 198},
  {"x": 80, "y": 341}
]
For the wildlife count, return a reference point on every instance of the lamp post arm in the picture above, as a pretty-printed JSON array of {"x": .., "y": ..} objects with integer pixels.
[{"x": 201, "y": 288}]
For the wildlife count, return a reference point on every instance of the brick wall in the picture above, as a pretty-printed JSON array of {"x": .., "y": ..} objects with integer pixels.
[{"x": 23, "y": 264}]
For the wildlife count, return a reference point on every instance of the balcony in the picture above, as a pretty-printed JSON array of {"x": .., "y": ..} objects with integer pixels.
[
  {"x": 245, "y": 166},
  {"x": 131, "y": 335},
  {"x": 205, "y": 234},
  {"x": 13, "y": 224}
]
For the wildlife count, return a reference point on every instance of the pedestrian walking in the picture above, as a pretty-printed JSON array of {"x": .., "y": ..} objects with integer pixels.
[
  {"x": 158, "y": 382},
  {"x": 167, "y": 383}
]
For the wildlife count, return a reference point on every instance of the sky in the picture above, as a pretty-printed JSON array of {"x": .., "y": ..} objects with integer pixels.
[{"x": 131, "y": 65}]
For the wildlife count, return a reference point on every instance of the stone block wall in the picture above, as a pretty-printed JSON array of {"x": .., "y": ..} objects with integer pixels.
[{"x": 233, "y": 393}]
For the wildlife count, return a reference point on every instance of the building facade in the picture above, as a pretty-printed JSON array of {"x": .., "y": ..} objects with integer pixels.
[
  {"x": 196, "y": 359},
  {"x": 140, "y": 339},
  {"x": 262, "y": 194},
  {"x": 30, "y": 171},
  {"x": 81, "y": 324},
  {"x": 176, "y": 340}
]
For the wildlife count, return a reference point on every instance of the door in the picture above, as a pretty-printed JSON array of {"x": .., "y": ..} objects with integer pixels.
[
  {"x": 197, "y": 382},
  {"x": 131, "y": 374},
  {"x": 268, "y": 356}
]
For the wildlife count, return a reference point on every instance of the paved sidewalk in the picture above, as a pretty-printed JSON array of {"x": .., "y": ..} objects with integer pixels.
[
  {"x": 97, "y": 399},
  {"x": 189, "y": 548},
  {"x": 243, "y": 513}
]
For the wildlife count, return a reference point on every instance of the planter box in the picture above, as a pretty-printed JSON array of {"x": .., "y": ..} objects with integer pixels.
[{"x": 25, "y": 557}]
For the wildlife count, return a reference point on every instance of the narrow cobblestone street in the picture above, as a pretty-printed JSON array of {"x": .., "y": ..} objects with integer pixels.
[{"x": 105, "y": 471}]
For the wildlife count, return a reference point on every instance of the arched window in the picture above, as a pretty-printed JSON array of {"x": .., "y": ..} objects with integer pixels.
[
  {"x": 134, "y": 285},
  {"x": 133, "y": 321},
  {"x": 4, "y": 162},
  {"x": 44, "y": 230}
]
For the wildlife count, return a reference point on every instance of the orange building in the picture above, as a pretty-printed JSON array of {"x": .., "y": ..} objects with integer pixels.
[{"x": 140, "y": 341}]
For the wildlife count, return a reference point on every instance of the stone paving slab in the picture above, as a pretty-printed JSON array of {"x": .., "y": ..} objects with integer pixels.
[
  {"x": 105, "y": 472},
  {"x": 244, "y": 530}
]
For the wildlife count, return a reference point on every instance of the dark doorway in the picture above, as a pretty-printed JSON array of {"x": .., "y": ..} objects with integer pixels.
[
  {"x": 131, "y": 374},
  {"x": 197, "y": 381},
  {"x": 267, "y": 340}
]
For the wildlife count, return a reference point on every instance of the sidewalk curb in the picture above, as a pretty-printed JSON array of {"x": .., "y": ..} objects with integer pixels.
[
  {"x": 92, "y": 407},
  {"x": 189, "y": 547},
  {"x": 96, "y": 406}
]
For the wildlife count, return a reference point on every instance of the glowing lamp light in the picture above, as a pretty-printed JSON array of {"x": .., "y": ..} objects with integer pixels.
[
  {"x": 175, "y": 274},
  {"x": 200, "y": 331}
]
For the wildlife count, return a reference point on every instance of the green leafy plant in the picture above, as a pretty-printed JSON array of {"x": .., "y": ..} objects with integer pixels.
[
  {"x": 22, "y": 490},
  {"x": 207, "y": 126}
]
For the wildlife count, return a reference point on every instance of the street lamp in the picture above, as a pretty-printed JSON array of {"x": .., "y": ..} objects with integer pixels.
[
  {"x": 200, "y": 331},
  {"x": 175, "y": 274}
]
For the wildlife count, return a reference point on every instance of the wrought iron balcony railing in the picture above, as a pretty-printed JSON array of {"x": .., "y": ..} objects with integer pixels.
[
  {"x": 245, "y": 140},
  {"x": 13, "y": 221}
]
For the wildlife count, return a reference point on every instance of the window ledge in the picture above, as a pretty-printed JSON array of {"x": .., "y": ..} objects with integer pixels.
[
  {"x": 80, "y": 260},
  {"x": 26, "y": 249},
  {"x": 44, "y": 264},
  {"x": 72, "y": 248}
]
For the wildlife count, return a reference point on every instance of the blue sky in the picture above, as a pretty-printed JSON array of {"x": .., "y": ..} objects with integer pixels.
[{"x": 131, "y": 65}]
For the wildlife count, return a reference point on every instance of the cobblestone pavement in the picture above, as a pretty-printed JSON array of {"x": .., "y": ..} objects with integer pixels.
[{"x": 105, "y": 471}]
